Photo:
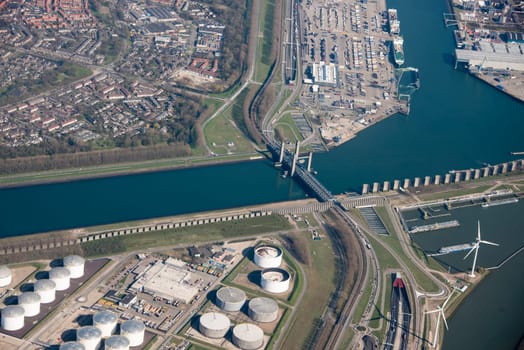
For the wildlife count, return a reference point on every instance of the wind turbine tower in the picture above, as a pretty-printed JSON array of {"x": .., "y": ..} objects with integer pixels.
[
  {"x": 475, "y": 248},
  {"x": 440, "y": 311}
]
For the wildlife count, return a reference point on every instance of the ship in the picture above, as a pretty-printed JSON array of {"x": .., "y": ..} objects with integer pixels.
[
  {"x": 398, "y": 50},
  {"x": 393, "y": 22}
]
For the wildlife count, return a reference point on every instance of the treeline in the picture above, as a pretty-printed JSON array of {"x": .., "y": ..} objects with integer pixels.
[{"x": 82, "y": 159}]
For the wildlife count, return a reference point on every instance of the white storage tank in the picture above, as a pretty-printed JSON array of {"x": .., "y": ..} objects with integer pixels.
[
  {"x": 275, "y": 280},
  {"x": 46, "y": 289},
  {"x": 105, "y": 321},
  {"x": 248, "y": 336},
  {"x": 116, "y": 342},
  {"x": 30, "y": 301},
  {"x": 134, "y": 331},
  {"x": 262, "y": 309},
  {"x": 214, "y": 325},
  {"x": 230, "y": 299},
  {"x": 61, "y": 276},
  {"x": 75, "y": 264},
  {"x": 89, "y": 337},
  {"x": 268, "y": 256},
  {"x": 12, "y": 317},
  {"x": 71, "y": 345},
  {"x": 6, "y": 276}
]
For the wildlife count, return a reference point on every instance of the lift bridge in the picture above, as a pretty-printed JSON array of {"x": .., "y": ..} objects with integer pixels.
[{"x": 289, "y": 160}]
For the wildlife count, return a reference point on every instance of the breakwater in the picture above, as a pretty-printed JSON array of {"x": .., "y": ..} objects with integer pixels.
[{"x": 453, "y": 176}]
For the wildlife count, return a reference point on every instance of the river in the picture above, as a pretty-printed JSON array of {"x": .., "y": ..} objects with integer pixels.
[{"x": 456, "y": 122}]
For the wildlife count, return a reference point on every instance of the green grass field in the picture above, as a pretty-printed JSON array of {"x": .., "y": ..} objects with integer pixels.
[
  {"x": 286, "y": 125},
  {"x": 187, "y": 235}
]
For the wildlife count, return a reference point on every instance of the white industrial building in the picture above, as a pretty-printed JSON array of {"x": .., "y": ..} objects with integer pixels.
[
  {"x": 6, "y": 276},
  {"x": 325, "y": 74},
  {"x": 275, "y": 280},
  {"x": 268, "y": 256},
  {"x": 499, "y": 56},
  {"x": 166, "y": 281},
  {"x": 214, "y": 325},
  {"x": 75, "y": 264},
  {"x": 134, "y": 331}
]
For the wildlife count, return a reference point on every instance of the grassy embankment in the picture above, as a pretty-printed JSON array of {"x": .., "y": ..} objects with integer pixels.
[{"x": 187, "y": 235}]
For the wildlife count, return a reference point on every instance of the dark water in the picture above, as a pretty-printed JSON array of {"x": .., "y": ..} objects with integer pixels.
[
  {"x": 492, "y": 317},
  {"x": 91, "y": 202},
  {"x": 456, "y": 121}
]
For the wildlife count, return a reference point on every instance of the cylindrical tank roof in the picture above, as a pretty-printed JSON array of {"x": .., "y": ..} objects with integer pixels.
[
  {"x": 117, "y": 342},
  {"x": 263, "y": 309},
  {"x": 134, "y": 331},
  {"x": 6, "y": 275},
  {"x": 230, "y": 298},
  {"x": 214, "y": 324},
  {"x": 13, "y": 311},
  {"x": 5, "y": 271},
  {"x": 275, "y": 280},
  {"x": 73, "y": 260},
  {"x": 88, "y": 332},
  {"x": 133, "y": 326},
  {"x": 248, "y": 336},
  {"x": 72, "y": 345},
  {"x": 268, "y": 256},
  {"x": 29, "y": 298},
  {"x": 59, "y": 272},
  {"x": 104, "y": 317},
  {"x": 44, "y": 285}
]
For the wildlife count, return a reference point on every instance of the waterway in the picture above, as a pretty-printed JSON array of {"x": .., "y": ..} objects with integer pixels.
[
  {"x": 456, "y": 122},
  {"x": 493, "y": 314}
]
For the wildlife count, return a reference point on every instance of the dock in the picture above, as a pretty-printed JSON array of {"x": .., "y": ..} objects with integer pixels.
[
  {"x": 434, "y": 227},
  {"x": 452, "y": 249}
]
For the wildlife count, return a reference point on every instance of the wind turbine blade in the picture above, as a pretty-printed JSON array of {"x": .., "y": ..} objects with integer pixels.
[
  {"x": 444, "y": 318},
  {"x": 447, "y": 300},
  {"x": 490, "y": 243},
  {"x": 471, "y": 250},
  {"x": 478, "y": 230}
]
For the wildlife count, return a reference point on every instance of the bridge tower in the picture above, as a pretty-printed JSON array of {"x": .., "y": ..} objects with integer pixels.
[
  {"x": 282, "y": 150},
  {"x": 309, "y": 161},
  {"x": 295, "y": 158}
]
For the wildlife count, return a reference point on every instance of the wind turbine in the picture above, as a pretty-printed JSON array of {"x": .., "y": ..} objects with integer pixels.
[
  {"x": 440, "y": 310},
  {"x": 475, "y": 248}
]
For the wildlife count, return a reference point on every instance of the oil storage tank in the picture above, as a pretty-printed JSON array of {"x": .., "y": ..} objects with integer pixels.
[
  {"x": 46, "y": 289},
  {"x": 268, "y": 256},
  {"x": 75, "y": 264},
  {"x": 61, "y": 276},
  {"x": 71, "y": 345},
  {"x": 134, "y": 331},
  {"x": 89, "y": 337},
  {"x": 116, "y": 342},
  {"x": 30, "y": 301},
  {"x": 214, "y": 325},
  {"x": 105, "y": 321},
  {"x": 248, "y": 336},
  {"x": 6, "y": 276},
  {"x": 230, "y": 299},
  {"x": 275, "y": 280},
  {"x": 262, "y": 309},
  {"x": 12, "y": 317}
]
